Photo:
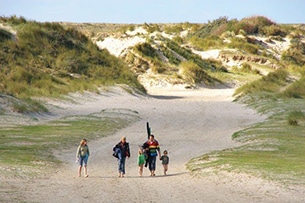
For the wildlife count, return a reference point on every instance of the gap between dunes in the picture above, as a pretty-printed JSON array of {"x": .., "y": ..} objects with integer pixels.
[{"x": 188, "y": 123}]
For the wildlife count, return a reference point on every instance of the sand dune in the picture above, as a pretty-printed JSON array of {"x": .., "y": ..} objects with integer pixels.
[{"x": 188, "y": 123}]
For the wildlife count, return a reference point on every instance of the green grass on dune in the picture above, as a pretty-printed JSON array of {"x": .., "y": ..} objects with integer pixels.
[
  {"x": 272, "y": 149},
  {"x": 33, "y": 147}
]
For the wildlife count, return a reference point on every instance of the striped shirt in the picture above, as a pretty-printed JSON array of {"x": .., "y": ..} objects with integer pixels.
[{"x": 153, "y": 147}]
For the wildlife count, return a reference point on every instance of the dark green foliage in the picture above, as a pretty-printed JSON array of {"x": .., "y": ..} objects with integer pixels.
[
  {"x": 5, "y": 35},
  {"x": 170, "y": 55},
  {"x": 147, "y": 50}
]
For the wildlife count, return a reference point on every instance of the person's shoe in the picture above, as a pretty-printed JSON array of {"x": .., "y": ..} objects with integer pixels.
[{"x": 86, "y": 176}]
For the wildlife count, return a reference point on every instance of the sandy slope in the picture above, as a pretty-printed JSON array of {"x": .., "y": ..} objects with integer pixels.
[{"x": 187, "y": 123}]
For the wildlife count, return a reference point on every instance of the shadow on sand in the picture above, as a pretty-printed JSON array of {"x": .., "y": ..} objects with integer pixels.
[
  {"x": 165, "y": 97},
  {"x": 127, "y": 177}
]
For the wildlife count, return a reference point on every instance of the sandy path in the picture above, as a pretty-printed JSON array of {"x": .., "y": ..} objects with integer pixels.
[{"x": 187, "y": 124}]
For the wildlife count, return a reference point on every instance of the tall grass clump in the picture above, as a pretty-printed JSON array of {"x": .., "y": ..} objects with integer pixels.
[
  {"x": 5, "y": 35},
  {"x": 193, "y": 73},
  {"x": 49, "y": 60},
  {"x": 243, "y": 45},
  {"x": 294, "y": 117},
  {"x": 254, "y": 24},
  {"x": 272, "y": 82},
  {"x": 212, "y": 27},
  {"x": 296, "y": 52},
  {"x": 187, "y": 54},
  {"x": 296, "y": 89},
  {"x": 206, "y": 43}
]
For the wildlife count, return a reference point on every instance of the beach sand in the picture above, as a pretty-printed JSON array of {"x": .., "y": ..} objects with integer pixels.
[{"x": 187, "y": 123}]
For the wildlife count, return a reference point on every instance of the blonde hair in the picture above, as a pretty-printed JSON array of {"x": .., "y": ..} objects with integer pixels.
[
  {"x": 123, "y": 138},
  {"x": 82, "y": 142}
]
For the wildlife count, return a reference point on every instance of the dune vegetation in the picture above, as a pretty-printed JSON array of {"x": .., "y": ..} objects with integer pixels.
[
  {"x": 54, "y": 59},
  {"x": 47, "y": 60},
  {"x": 274, "y": 148}
]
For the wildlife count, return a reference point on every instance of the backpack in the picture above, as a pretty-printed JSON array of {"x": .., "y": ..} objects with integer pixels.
[{"x": 116, "y": 152}]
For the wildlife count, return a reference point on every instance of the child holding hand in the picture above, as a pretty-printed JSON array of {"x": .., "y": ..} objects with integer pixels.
[
  {"x": 141, "y": 161},
  {"x": 165, "y": 161}
]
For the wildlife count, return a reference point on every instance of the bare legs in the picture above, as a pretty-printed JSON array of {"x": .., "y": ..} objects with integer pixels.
[
  {"x": 80, "y": 171},
  {"x": 141, "y": 170},
  {"x": 165, "y": 167}
]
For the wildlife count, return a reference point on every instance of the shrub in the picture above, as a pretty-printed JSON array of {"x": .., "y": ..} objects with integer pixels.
[
  {"x": 274, "y": 30},
  {"x": 254, "y": 25},
  {"x": 294, "y": 117}
]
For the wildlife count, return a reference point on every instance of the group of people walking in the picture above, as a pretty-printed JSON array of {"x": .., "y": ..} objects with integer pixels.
[{"x": 147, "y": 156}]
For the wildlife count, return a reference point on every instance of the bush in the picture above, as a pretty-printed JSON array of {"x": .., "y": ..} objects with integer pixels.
[
  {"x": 294, "y": 117},
  {"x": 254, "y": 25},
  {"x": 274, "y": 30}
]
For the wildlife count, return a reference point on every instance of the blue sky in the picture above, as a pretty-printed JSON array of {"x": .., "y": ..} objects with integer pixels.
[{"x": 153, "y": 11}]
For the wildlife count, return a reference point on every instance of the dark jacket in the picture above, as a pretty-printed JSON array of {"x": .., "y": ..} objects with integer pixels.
[{"x": 124, "y": 149}]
